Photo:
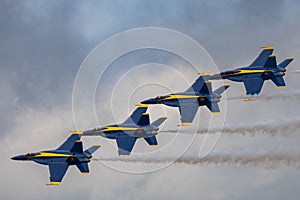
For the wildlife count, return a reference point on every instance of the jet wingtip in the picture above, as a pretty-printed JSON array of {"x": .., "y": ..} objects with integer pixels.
[
  {"x": 215, "y": 112},
  {"x": 142, "y": 105},
  {"x": 267, "y": 47},
  {"x": 249, "y": 99},
  {"x": 204, "y": 73},
  {"x": 53, "y": 183},
  {"x": 76, "y": 132},
  {"x": 124, "y": 155},
  {"x": 185, "y": 124},
  {"x": 281, "y": 86}
]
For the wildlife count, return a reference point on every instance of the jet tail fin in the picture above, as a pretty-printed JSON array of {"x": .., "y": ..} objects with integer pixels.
[
  {"x": 199, "y": 83},
  {"x": 92, "y": 149},
  {"x": 144, "y": 120},
  {"x": 136, "y": 115},
  {"x": 158, "y": 122},
  {"x": 271, "y": 62},
  {"x": 285, "y": 63},
  {"x": 221, "y": 89}
]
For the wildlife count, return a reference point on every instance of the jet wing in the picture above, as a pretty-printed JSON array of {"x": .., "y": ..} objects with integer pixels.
[
  {"x": 253, "y": 86},
  {"x": 263, "y": 56},
  {"x": 188, "y": 112},
  {"x": 57, "y": 172},
  {"x": 125, "y": 144}
]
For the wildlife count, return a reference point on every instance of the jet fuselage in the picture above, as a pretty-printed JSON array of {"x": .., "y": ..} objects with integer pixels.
[
  {"x": 46, "y": 157},
  {"x": 116, "y": 130},
  {"x": 240, "y": 74},
  {"x": 175, "y": 100}
]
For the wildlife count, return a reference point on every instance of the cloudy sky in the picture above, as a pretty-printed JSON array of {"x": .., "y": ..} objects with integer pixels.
[{"x": 44, "y": 43}]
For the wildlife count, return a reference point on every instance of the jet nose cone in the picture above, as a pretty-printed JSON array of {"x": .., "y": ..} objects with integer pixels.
[
  {"x": 20, "y": 157},
  {"x": 150, "y": 101}
]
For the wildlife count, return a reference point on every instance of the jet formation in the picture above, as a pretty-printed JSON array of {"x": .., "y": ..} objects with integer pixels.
[{"x": 138, "y": 125}]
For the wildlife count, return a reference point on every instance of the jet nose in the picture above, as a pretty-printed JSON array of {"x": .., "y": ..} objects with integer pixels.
[
  {"x": 20, "y": 157},
  {"x": 149, "y": 101}
]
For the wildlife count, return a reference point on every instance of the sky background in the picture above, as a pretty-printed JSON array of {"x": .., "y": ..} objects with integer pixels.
[{"x": 42, "y": 45}]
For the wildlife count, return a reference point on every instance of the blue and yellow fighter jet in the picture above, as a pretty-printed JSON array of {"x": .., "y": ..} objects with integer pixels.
[
  {"x": 136, "y": 126},
  {"x": 58, "y": 160},
  {"x": 264, "y": 67},
  {"x": 188, "y": 102}
]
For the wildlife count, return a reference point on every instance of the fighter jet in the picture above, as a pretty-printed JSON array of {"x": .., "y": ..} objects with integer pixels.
[
  {"x": 136, "y": 126},
  {"x": 264, "y": 67},
  {"x": 58, "y": 160},
  {"x": 188, "y": 102}
]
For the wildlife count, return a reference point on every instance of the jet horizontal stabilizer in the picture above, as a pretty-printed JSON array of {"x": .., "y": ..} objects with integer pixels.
[
  {"x": 221, "y": 89},
  {"x": 83, "y": 168},
  {"x": 279, "y": 81},
  {"x": 285, "y": 63},
  {"x": 158, "y": 122},
  {"x": 213, "y": 107},
  {"x": 92, "y": 149},
  {"x": 151, "y": 140}
]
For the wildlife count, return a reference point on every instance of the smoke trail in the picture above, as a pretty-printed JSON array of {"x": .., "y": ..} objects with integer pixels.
[
  {"x": 278, "y": 127},
  {"x": 263, "y": 160},
  {"x": 283, "y": 95}
]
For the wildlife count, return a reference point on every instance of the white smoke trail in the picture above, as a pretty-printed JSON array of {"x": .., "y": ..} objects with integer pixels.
[
  {"x": 272, "y": 127},
  {"x": 264, "y": 160},
  {"x": 283, "y": 95}
]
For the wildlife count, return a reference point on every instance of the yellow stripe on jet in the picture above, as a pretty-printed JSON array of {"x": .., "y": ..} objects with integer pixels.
[
  {"x": 76, "y": 132},
  {"x": 142, "y": 105},
  {"x": 170, "y": 97},
  {"x": 53, "y": 183},
  {"x": 250, "y": 71},
  {"x": 44, "y": 154},
  {"x": 116, "y": 128},
  {"x": 268, "y": 47}
]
